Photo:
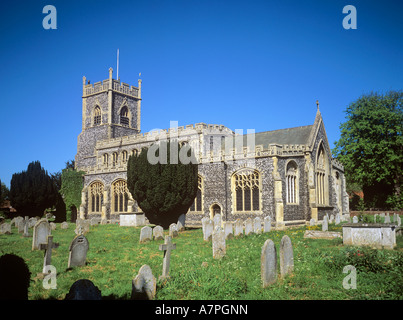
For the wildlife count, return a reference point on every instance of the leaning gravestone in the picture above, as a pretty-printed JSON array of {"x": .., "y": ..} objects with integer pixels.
[
  {"x": 144, "y": 285},
  {"x": 268, "y": 263},
  {"x": 325, "y": 223},
  {"x": 219, "y": 249},
  {"x": 267, "y": 224},
  {"x": 40, "y": 234},
  {"x": 238, "y": 228},
  {"x": 181, "y": 222},
  {"x": 78, "y": 252},
  {"x": 158, "y": 233},
  {"x": 84, "y": 289},
  {"x": 146, "y": 234},
  {"x": 286, "y": 256},
  {"x": 173, "y": 230},
  {"x": 257, "y": 225},
  {"x": 248, "y": 226},
  {"x": 208, "y": 230}
]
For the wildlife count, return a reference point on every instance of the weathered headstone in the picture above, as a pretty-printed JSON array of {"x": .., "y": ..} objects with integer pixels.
[
  {"x": 387, "y": 218},
  {"x": 173, "y": 230},
  {"x": 204, "y": 221},
  {"x": 64, "y": 225},
  {"x": 375, "y": 217},
  {"x": 219, "y": 249},
  {"x": 268, "y": 263},
  {"x": 208, "y": 230},
  {"x": 78, "y": 252},
  {"x": 257, "y": 225},
  {"x": 21, "y": 224},
  {"x": 181, "y": 222},
  {"x": 146, "y": 234},
  {"x": 267, "y": 224},
  {"x": 32, "y": 221},
  {"x": 158, "y": 233},
  {"x": 84, "y": 289},
  {"x": 144, "y": 285},
  {"x": 217, "y": 220},
  {"x": 52, "y": 226},
  {"x": 238, "y": 228},
  {"x": 16, "y": 221},
  {"x": 26, "y": 227},
  {"x": 325, "y": 223},
  {"x": 167, "y": 247},
  {"x": 248, "y": 226},
  {"x": 399, "y": 221},
  {"x": 337, "y": 219},
  {"x": 228, "y": 229},
  {"x": 286, "y": 256},
  {"x": 48, "y": 246},
  {"x": 5, "y": 228},
  {"x": 82, "y": 226},
  {"x": 312, "y": 222},
  {"x": 40, "y": 234},
  {"x": 331, "y": 219},
  {"x": 355, "y": 219}
]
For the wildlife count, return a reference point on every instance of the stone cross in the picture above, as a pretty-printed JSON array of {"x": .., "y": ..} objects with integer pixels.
[
  {"x": 48, "y": 251},
  {"x": 167, "y": 247}
]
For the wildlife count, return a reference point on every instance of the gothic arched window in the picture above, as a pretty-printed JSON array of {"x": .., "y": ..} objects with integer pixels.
[
  {"x": 322, "y": 174},
  {"x": 124, "y": 155},
  {"x": 197, "y": 205},
  {"x": 97, "y": 116},
  {"x": 246, "y": 190},
  {"x": 120, "y": 196},
  {"x": 114, "y": 159},
  {"x": 124, "y": 116},
  {"x": 96, "y": 197},
  {"x": 292, "y": 182},
  {"x": 106, "y": 158}
]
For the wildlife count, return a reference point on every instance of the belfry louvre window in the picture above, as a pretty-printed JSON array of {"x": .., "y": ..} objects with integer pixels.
[
  {"x": 246, "y": 185},
  {"x": 97, "y": 116},
  {"x": 120, "y": 196},
  {"x": 96, "y": 196},
  {"x": 124, "y": 117},
  {"x": 292, "y": 182},
  {"x": 197, "y": 203}
]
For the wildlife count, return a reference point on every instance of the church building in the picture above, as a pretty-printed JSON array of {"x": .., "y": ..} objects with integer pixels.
[{"x": 287, "y": 174}]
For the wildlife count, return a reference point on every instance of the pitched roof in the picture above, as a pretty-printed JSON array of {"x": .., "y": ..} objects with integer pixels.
[{"x": 297, "y": 135}]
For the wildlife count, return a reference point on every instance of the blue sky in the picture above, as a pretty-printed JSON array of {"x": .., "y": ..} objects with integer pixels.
[{"x": 244, "y": 64}]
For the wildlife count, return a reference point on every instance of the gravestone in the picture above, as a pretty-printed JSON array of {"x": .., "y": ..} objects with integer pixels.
[
  {"x": 21, "y": 224},
  {"x": 158, "y": 233},
  {"x": 32, "y": 221},
  {"x": 82, "y": 226},
  {"x": 355, "y": 219},
  {"x": 208, "y": 230},
  {"x": 217, "y": 220},
  {"x": 26, "y": 228},
  {"x": 64, "y": 225},
  {"x": 16, "y": 221},
  {"x": 204, "y": 221},
  {"x": 325, "y": 224},
  {"x": 387, "y": 218},
  {"x": 146, "y": 234},
  {"x": 48, "y": 246},
  {"x": 78, "y": 252},
  {"x": 228, "y": 230},
  {"x": 257, "y": 225},
  {"x": 84, "y": 289},
  {"x": 268, "y": 263},
  {"x": 40, "y": 234},
  {"x": 52, "y": 226},
  {"x": 399, "y": 221},
  {"x": 375, "y": 217},
  {"x": 238, "y": 228},
  {"x": 286, "y": 256},
  {"x": 312, "y": 222},
  {"x": 167, "y": 247},
  {"x": 219, "y": 249},
  {"x": 173, "y": 230},
  {"x": 248, "y": 226},
  {"x": 181, "y": 222},
  {"x": 267, "y": 224},
  {"x": 127, "y": 220},
  {"x": 337, "y": 220},
  {"x": 5, "y": 228},
  {"x": 331, "y": 219},
  {"x": 144, "y": 285}
]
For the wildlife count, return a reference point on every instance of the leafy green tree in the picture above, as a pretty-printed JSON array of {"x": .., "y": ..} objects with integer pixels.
[
  {"x": 32, "y": 191},
  {"x": 370, "y": 147},
  {"x": 162, "y": 191},
  {"x": 71, "y": 187}
]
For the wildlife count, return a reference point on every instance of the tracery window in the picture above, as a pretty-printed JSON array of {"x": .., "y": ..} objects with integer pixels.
[
  {"x": 120, "y": 196},
  {"x": 321, "y": 177},
  {"x": 292, "y": 182},
  {"x": 97, "y": 116},
  {"x": 124, "y": 116},
  {"x": 96, "y": 197},
  {"x": 197, "y": 205},
  {"x": 246, "y": 186}
]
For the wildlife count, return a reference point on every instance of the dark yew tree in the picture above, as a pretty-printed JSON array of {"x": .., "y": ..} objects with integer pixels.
[{"x": 166, "y": 189}]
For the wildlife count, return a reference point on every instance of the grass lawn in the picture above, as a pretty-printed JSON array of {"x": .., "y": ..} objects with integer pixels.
[{"x": 115, "y": 257}]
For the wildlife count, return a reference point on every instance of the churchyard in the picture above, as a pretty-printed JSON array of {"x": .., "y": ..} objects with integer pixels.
[{"x": 116, "y": 254}]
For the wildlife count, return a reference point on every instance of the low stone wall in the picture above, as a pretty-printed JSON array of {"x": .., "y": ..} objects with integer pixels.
[{"x": 376, "y": 235}]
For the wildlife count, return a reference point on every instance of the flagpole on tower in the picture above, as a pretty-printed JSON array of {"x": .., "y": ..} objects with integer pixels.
[{"x": 117, "y": 71}]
